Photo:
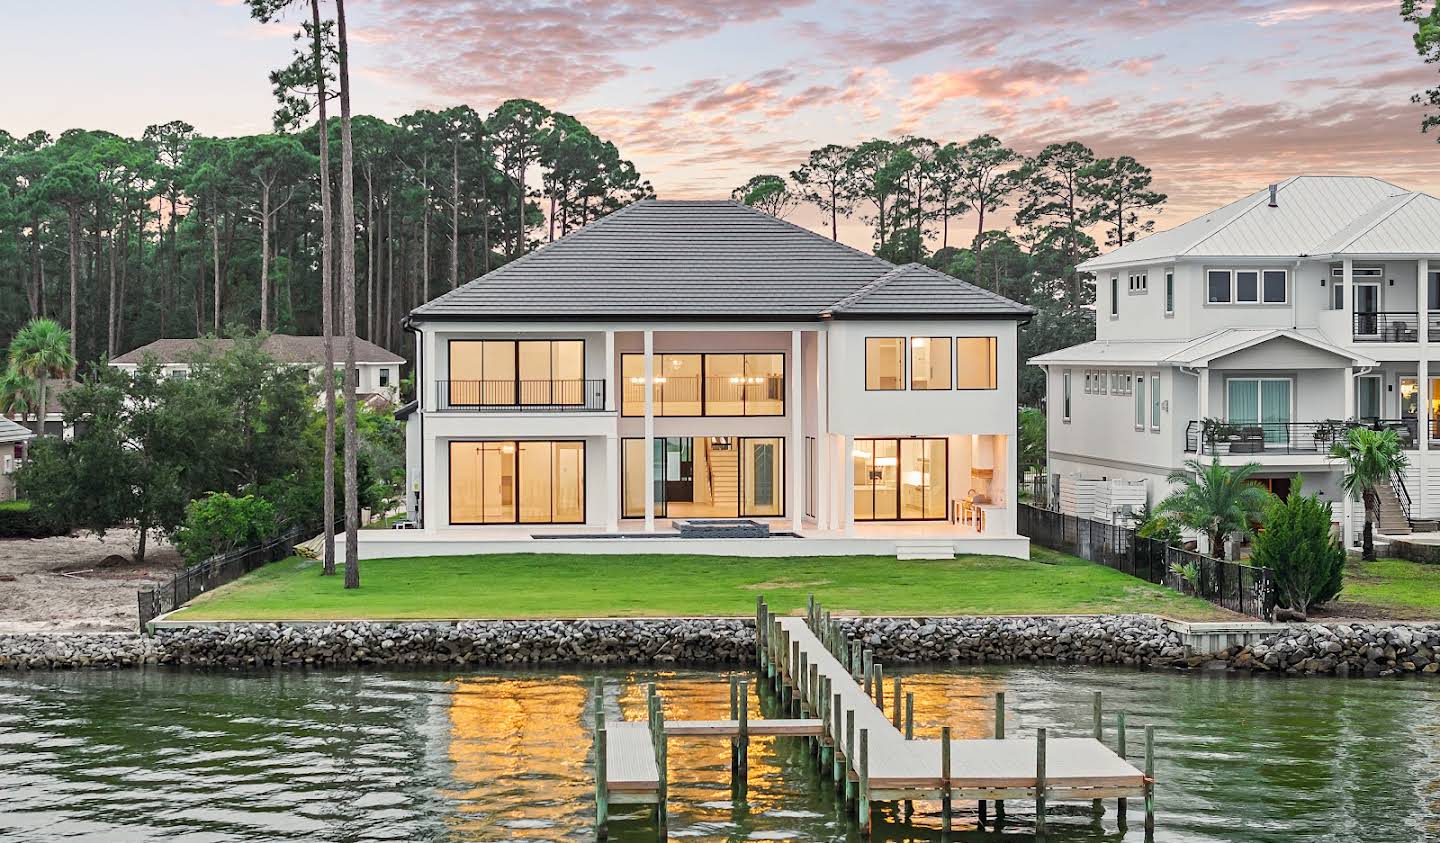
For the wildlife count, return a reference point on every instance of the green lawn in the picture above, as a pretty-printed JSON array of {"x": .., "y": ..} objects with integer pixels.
[
  {"x": 540, "y": 585},
  {"x": 1393, "y": 588}
]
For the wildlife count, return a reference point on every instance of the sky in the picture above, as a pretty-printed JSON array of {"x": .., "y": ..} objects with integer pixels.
[{"x": 1218, "y": 97}]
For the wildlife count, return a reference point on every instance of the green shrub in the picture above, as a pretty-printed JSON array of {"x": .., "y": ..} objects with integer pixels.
[
  {"x": 221, "y": 522},
  {"x": 1307, "y": 562},
  {"x": 19, "y": 521}
]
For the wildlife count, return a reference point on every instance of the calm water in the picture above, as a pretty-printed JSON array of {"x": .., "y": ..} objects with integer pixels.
[{"x": 400, "y": 755}]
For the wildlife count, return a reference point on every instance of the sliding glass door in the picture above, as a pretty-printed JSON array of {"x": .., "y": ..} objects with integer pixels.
[
  {"x": 901, "y": 479},
  {"x": 706, "y": 477},
  {"x": 517, "y": 482},
  {"x": 1262, "y": 402}
]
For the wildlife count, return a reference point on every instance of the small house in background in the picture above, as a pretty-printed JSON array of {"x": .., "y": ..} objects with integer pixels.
[
  {"x": 14, "y": 439},
  {"x": 377, "y": 371}
]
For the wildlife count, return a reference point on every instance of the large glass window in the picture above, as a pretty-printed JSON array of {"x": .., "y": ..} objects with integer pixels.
[
  {"x": 930, "y": 363},
  {"x": 1154, "y": 402},
  {"x": 1247, "y": 286},
  {"x": 1169, "y": 291},
  {"x": 1367, "y": 397},
  {"x": 975, "y": 362},
  {"x": 499, "y": 372},
  {"x": 884, "y": 362},
  {"x": 706, "y": 477},
  {"x": 1140, "y": 406},
  {"x": 900, "y": 479},
  {"x": 509, "y": 482},
  {"x": 707, "y": 384},
  {"x": 1275, "y": 285},
  {"x": 1217, "y": 283}
]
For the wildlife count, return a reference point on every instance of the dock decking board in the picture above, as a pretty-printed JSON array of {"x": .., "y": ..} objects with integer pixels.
[{"x": 630, "y": 757}]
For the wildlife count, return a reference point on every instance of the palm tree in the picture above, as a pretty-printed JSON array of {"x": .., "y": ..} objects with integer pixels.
[
  {"x": 18, "y": 395},
  {"x": 41, "y": 350},
  {"x": 1215, "y": 500},
  {"x": 1371, "y": 458}
]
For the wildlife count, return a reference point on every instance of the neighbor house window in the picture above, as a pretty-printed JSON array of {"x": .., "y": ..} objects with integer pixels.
[
  {"x": 1275, "y": 284},
  {"x": 1247, "y": 286},
  {"x": 1101, "y": 379},
  {"x": 1065, "y": 395},
  {"x": 975, "y": 362},
  {"x": 384, "y": 378},
  {"x": 1217, "y": 286},
  {"x": 1169, "y": 291},
  {"x": 1154, "y": 402},
  {"x": 930, "y": 363},
  {"x": 1140, "y": 283},
  {"x": 885, "y": 363},
  {"x": 1114, "y": 295},
  {"x": 1140, "y": 406},
  {"x": 1089, "y": 376}
]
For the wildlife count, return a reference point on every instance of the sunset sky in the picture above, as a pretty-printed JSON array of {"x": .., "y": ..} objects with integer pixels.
[{"x": 1219, "y": 97}]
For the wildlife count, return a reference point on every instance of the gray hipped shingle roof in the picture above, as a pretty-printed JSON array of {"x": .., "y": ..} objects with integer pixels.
[
  {"x": 708, "y": 260},
  {"x": 285, "y": 348}
]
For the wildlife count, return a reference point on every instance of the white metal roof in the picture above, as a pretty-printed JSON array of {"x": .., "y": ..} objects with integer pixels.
[
  {"x": 1197, "y": 352},
  {"x": 12, "y": 432},
  {"x": 1313, "y": 215}
]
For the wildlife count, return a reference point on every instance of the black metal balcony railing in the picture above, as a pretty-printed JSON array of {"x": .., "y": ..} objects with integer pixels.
[
  {"x": 716, "y": 395},
  {"x": 1216, "y": 438},
  {"x": 509, "y": 396},
  {"x": 1387, "y": 326}
]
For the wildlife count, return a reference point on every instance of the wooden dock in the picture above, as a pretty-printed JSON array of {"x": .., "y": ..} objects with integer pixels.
[{"x": 836, "y": 693}]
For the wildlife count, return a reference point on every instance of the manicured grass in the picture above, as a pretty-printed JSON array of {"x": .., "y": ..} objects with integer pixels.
[
  {"x": 542, "y": 585},
  {"x": 15, "y": 506},
  {"x": 1389, "y": 588}
]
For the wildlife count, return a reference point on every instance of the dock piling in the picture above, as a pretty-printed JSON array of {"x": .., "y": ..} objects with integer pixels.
[
  {"x": 945, "y": 779},
  {"x": 1122, "y": 803},
  {"x": 837, "y": 754},
  {"x": 999, "y": 736},
  {"x": 744, "y": 750},
  {"x": 880, "y": 686},
  {"x": 1040, "y": 782},
  {"x": 864, "y": 808},
  {"x": 909, "y": 715},
  {"x": 1149, "y": 778},
  {"x": 602, "y": 788},
  {"x": 895, "y": 702},
  {"x": 1097, "y": 806},
  {"x": 849, "y": 753}
]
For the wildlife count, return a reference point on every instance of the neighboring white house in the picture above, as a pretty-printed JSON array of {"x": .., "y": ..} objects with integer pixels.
[
  {"x": 13, "y": 441},
  {"x": 377, "y": 370},
  {"x": 861, "y": 406},
  {"x": 1281, "y": 318}
]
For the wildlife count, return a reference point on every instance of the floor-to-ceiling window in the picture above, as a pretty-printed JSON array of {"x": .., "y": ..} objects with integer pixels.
[
  {"x": 706, "y": 477},
  {"x": 517, "y": 482},
  {"x": 1263, "y": 402},
  {"x": 487, "y": 373},
  {"x": 751, "y": 384},
  {"x": 901, "y": 479}
]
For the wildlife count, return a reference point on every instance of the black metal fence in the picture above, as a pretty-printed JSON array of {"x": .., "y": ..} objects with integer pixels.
[
  {"x": 215, "y": 571},
  {"x": 1240, "y": 588}
]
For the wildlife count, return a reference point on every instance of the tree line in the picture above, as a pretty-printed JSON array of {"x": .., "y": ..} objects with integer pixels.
[
  {"x": 175, "y": 234},
  {"x": 1065, "y": 203}
]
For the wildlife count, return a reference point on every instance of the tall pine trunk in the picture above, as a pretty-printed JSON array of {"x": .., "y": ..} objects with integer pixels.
[
  {"x": 347, "y": 293},
  {"x": 454, "y": 213},
  {"x": 74, "y": 271},
  {"x": 327, "y": 298},
  {"x": 265, "y": 256}
]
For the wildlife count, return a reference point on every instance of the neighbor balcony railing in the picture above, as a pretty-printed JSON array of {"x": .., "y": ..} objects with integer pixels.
[
  {"x": 1213, "y": 437},
  {"x": 526, "y": 396},
  {"x": 1387, "y": 326}
]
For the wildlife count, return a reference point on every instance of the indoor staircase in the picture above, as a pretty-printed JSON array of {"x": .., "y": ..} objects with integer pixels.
[
  {"x": 725, "y": 478},
  {"x": 1393, "y": 521},
  {"x": 922, "y": 549}
]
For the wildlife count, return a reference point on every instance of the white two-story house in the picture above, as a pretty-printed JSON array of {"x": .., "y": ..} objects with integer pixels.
[
  {"x": 1256, "y": 333},
  {"x": 684, "y": 361},
  {"x": 377, "y": 371}
]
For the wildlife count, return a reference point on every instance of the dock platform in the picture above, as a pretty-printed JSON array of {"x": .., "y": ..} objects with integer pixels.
[{"x": 834, "y": 691}]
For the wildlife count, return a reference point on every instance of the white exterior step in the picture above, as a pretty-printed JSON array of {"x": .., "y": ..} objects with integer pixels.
[{"x": 924, "y": 550}]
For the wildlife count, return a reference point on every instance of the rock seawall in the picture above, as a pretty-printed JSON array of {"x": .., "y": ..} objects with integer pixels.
[{"x": 1134, "y": 640}]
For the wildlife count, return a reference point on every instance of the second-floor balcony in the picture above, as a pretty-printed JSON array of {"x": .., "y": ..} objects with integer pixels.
[
  {"x": 1389, "y": 326},
  {"x": 522, "y": 396},
  {"x": 1214, "y": 437}
]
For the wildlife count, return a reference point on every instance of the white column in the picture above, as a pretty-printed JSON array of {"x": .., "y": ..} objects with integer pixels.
[
  {"x": 1347, "y": 293},
  {"x": 796, "y": 445},
  {"x": 1202, "y": 406},
  {"x": 1422, "y": 300},
  {"x": 613, "y": 489},
  {"x": 649, "y": 431},
  {"x": 1347, "y": 505},
  {"x": 824, "y": 449},
  {"x": 847, "y": 490},
  {"x": 613, "y": 383}
]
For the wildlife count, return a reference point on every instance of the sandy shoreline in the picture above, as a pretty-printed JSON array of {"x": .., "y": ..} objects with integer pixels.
[{"x": 73, "y": 583}]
